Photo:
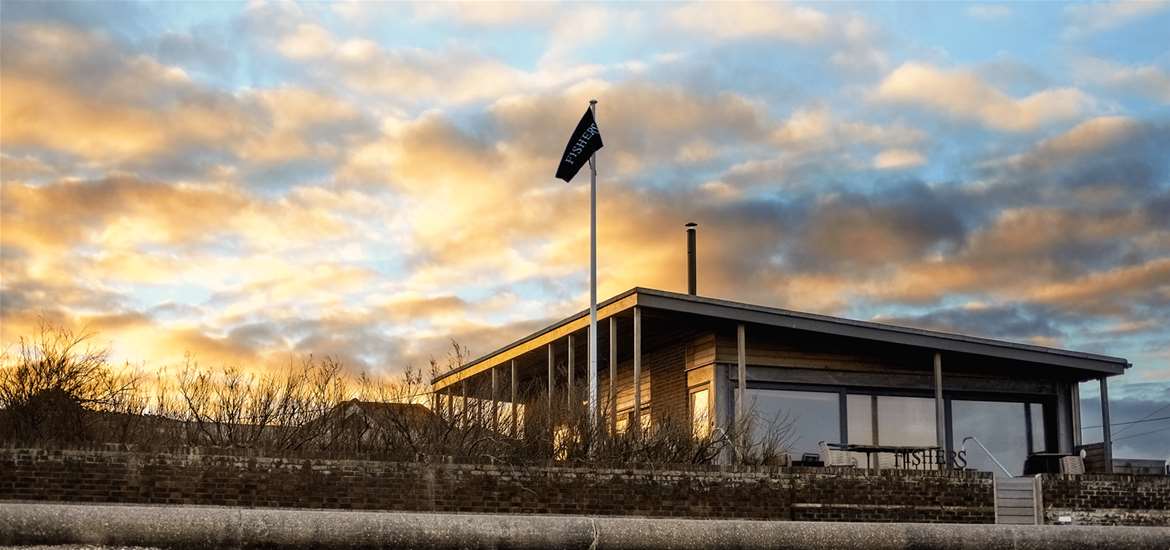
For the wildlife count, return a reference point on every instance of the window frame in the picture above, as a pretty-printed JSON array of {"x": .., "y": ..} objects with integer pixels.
[
  {"x": 1048, "y": 405},
  {"x": 698, "y": 388}
]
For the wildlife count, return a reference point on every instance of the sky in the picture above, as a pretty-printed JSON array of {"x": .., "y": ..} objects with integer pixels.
[{"x": 249, "y": 183}]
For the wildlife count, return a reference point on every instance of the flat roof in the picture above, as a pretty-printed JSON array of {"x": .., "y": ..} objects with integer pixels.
[{"x": 777, "y": 317}]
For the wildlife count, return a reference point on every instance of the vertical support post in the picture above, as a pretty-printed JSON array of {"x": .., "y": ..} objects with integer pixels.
[
  {"x": 552, "y": 373},
  {"x": 463, "y": 403},
  {"x": 495, "y": 424},
  {"x": 450, "y": 404},
  {"x": 940, "y": 415},
  {"x": 843, "y": 416},
  {"x": 1075, "y": 400},
  {"x": 1106, "y": 431},
  {"x": 515, "y": 391},
  {"x": 613, "y": 374},
  {"x": 570, "y": 381},
  {"x": 1028, "y": 427},
  {"x": 721, "y": 396},
  {"x": 637, "y": 420},
  {"x": 741, "y": 375},
  {"x": 1065, "y": 426}
]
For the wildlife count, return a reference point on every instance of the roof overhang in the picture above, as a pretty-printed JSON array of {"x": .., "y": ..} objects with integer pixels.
[{"x": 824, "y": 324}]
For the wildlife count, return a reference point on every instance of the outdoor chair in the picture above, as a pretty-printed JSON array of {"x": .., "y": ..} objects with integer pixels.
[
  {"x": 1072, "y": 465},
  {"x": 832, "y": 457},
  {"x": 887, "y": 461}
]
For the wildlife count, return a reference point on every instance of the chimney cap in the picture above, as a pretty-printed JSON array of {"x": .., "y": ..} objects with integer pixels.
[{"x": 692, "y": 224}]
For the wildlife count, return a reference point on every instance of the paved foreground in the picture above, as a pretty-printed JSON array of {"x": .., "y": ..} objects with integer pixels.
[{"x": 24, "y": 523}]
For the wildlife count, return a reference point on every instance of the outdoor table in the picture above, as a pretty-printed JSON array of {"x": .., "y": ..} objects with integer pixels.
[
  {"x": 903, "y": 451},
  {"x": 1043, "y": 463}
]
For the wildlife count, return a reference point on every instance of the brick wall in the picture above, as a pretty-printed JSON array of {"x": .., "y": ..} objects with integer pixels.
[
  {"x": 1107, "y": 499},
  {"x": 700, "y": 492}
]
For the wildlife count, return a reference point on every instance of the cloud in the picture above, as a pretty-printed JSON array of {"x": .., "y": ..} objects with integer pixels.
[
  {"x": 852, "y": 230},
  {"x": 1015, "y": 322},
  {"x": 724, "y": 21},
  {"x": 989, "y": 12},
  {"x": 893, "y": 159},
  {"x": 75, "y": 92},
  {"x": 102, "y": 109},
  {"x": 1114, "y": 291},
  {"x": 125, "y": 213},
  {"x": 1096, "y": 136},
  {"x": 1149, "y": 81},
  {"x": 962, "y": 95},
  {"x": 1086, "y": 19},
  {"x": 409, "y": 75}
]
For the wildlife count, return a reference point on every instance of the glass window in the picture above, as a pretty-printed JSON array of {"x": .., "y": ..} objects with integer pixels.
[
  {"x": 1090, "y": 414},
  {"x": 625, "y": 416},
  {"x": 1039, "y": 443},
  {"x": 804, "y": 418},
  {"x": 860, "y": 412},
  {"x": 700, "y": 413},
  {"x": 999, "y": 426},
  {"x": 906, "y": 421}
]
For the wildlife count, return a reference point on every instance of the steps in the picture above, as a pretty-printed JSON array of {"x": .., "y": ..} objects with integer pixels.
[{"x": 1015, "y": 501}]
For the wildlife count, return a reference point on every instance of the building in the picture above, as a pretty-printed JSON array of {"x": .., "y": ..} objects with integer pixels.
[{"x": 837, "y": 380}]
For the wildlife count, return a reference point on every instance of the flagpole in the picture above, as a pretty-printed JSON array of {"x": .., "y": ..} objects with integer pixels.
[{"x": 593, "y": 282}]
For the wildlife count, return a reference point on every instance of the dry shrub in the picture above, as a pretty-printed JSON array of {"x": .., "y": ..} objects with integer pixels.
[{"x": 60, "y": 390}]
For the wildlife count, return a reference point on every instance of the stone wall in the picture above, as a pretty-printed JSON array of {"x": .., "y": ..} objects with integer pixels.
[
  {"x": 1107, "y": 499},
  {"x": 697, "y": 492}
]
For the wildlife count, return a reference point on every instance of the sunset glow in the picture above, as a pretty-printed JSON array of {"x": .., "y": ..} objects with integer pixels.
[{"x": 255, "y": 182}]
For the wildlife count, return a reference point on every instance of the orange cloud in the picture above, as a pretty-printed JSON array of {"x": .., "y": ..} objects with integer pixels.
[{"x": 962, "y": 95}]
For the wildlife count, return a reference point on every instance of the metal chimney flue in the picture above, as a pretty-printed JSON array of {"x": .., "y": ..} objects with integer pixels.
[{"x": 692, "y": 276}]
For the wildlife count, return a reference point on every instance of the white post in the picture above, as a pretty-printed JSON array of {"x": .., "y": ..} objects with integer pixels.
[
  {"x": 1106, "y": 429},
  {"x": 741, "y": 375},
  {"x": 551, "y": 382},
  {"x": 636, "y": 423},
  {"x": 592, "y": 377},
  {"x": 939, "y": 408},
  {"x": 1075, "y": 412},
  {"x": 613, "y": 374},
  {"x": 495, "y": 403},
  {"x": 515, "y": 423},
  {"x": 571, "y": 379}
]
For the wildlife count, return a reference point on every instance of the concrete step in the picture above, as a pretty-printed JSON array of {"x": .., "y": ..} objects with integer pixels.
[
  {"x": 1015, "y": 501},
  {"x": 1016, "y": 520}
]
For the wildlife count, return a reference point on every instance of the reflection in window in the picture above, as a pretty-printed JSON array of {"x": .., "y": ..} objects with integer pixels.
[
  {"x": 1090, "y": 415},
  {"x": 906, "y": 421},
  {"x": 1039, "y": 443},
  {"x": 860, "y": 412},
  {"x": 626, "y": 415},
  {"x": 700, "y": 413},
  {"x": 813, "y": 416},
  {"x": 999, "y": 426}
]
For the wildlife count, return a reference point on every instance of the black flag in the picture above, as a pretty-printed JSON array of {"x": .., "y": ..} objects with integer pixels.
[{"x": 585, "y": 141}]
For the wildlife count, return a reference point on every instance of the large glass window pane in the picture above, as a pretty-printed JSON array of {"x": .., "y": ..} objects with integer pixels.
[
  {"x": 999, "y": 426},
  {"x": 1091, "y": 431},
  {"x": 860, "y": 411},
  {"x": 906, "y": 421},
  {"x": 1039, "y": 444},
  {"x": 807, "y": 417}
]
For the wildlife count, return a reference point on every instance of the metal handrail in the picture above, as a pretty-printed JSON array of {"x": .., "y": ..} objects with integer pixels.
[{"x": 963, "y": 447}]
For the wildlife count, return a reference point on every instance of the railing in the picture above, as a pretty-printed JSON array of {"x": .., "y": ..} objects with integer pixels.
[{"x": 993, "y": 459}]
